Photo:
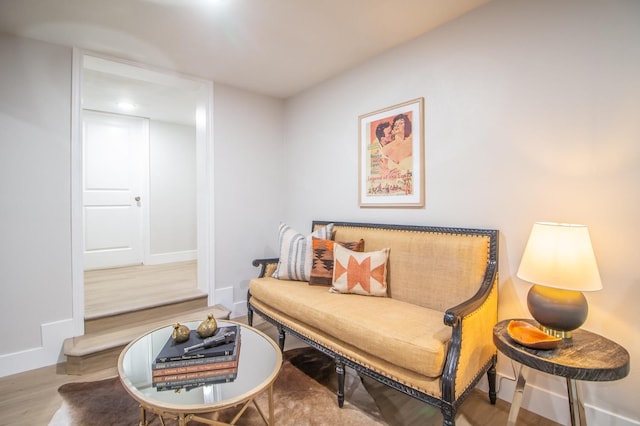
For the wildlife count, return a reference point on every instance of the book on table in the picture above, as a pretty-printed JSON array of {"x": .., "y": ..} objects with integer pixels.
[
  {"x": 184, "y": 382},
  {"x": 212, "y": 364},
  {"x": 172, "y": 358},
  {"x": 222, "y": 375}
]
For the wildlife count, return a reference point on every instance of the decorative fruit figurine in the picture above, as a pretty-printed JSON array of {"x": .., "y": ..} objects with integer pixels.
[
  {"x": 208, "y": 327},
  {"x": 180, "y": 333}
]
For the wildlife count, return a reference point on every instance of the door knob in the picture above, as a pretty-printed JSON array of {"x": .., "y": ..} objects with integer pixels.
[{"x": 137, "y": 198}]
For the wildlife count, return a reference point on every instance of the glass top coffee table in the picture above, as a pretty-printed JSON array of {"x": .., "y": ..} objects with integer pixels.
[{"x": 259, "y": 362}]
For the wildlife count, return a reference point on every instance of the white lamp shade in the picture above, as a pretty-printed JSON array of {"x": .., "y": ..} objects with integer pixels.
[{"x": 560, "y": 256}]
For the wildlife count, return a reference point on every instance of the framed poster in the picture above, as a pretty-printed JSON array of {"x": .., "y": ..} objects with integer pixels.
[{"x": 391, "y": 156}]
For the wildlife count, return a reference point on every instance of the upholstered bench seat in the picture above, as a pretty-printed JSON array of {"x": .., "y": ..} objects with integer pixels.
[{"x": 395, "y": 331}]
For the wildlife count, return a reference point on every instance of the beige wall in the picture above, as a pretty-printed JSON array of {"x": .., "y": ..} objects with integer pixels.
[{"x": 531, "y": 113}]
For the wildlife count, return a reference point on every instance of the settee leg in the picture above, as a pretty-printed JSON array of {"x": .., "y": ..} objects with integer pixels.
[
  {"x": 281, "y": 337},
  {"x": 491, "y": 376},
  {"x": 448, "y": 416},
  {"x": 340, "y": 372},
  {"x": 249, "y": 309}
]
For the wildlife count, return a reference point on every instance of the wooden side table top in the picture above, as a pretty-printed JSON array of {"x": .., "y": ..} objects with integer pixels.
[{"x": 588, "y": 357}]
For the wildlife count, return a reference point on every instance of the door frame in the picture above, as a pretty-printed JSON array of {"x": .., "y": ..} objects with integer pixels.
[{"x": 204, "y": 185}]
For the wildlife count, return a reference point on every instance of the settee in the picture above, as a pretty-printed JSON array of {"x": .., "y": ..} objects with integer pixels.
[{"x": 429, "y": 335}]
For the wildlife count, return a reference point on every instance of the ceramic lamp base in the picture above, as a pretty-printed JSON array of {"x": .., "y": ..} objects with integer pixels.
[{"x": 557, "y": 311}]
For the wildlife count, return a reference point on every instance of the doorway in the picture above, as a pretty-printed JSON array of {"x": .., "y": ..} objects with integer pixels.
[{"x": 162, "y": 100}]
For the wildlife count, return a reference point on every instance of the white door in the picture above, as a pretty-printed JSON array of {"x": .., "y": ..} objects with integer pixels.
[{"x": 115, "y": 170}]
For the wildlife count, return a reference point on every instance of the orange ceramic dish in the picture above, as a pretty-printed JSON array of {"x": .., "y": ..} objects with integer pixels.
[{"x": 531, "y": 336}]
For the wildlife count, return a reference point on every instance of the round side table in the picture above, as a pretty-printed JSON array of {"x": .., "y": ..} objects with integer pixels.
[{"x": 587, "y": 356}]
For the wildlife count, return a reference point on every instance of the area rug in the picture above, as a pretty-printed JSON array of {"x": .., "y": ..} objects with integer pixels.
[{"x": 298, "y": 400}]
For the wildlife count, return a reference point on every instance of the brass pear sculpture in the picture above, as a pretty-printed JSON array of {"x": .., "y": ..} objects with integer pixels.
[
  {"x": 180, "y": 333},
  {"x": 208, "y": 327}
]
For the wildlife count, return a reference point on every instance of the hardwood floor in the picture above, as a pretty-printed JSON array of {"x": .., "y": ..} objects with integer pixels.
[
  {"x": 31, "y": 398},
  {"x": 109, "y": 291}
]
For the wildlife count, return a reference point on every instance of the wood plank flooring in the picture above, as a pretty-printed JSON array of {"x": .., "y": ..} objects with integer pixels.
[
  {"x": 31, "y": 398},
  {"x": 110, "y": 291}
]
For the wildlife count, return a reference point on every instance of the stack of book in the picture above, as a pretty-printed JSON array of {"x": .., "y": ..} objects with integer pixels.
[{"x": 204, "y": 363}]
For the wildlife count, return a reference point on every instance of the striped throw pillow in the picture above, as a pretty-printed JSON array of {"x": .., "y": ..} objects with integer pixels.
[{"x": 296, "y": 252}]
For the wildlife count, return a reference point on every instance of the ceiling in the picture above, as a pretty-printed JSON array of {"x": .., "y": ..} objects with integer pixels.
[
  {"x": 273, "y": 47},
  {"x": 151, "y": 94}
]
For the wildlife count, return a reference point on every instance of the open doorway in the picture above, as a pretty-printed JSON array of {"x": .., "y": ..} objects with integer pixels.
[{"x": 160, "y": 192}]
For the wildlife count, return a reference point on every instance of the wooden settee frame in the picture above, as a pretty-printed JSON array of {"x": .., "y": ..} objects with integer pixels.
[{"x": 454, "y": 317}]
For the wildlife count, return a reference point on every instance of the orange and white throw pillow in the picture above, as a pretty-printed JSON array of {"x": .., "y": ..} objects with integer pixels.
[
  {"x": 360, "y": 273},
  {"x": 322, "y": 266}
]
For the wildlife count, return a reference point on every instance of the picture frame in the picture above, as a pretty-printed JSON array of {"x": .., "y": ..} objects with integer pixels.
[{"x": 391, "y": 156}]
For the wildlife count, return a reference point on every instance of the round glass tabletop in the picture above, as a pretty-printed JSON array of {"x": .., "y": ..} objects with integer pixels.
[{"x": 258, "y": 365}]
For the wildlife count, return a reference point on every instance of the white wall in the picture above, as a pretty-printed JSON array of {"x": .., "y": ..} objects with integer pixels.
[
  {"x": 35, "y": 225},
  {"x": 531, "y": 114},
  {"x": 172, "y": 190},
  {"x": 35, "y": 191},
  {"x": 248, "y": 190}
]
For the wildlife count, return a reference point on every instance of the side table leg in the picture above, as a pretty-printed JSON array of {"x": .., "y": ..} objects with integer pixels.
[
  {"x": 517, "y": 395},
  {"x": 576, "y": 408}
]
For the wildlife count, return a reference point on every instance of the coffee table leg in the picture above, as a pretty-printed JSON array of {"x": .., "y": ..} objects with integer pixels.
[
  {"x": 271, "y": 409},
  {"x": 143, "y": 416},
  {"x": 517, "y": 395}
]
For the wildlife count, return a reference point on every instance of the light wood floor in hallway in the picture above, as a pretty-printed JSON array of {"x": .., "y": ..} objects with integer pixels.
[{"x": 109, "y": 291}]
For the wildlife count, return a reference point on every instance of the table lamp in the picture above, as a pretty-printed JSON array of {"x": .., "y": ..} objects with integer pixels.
[{"x": 558, "y": 259}]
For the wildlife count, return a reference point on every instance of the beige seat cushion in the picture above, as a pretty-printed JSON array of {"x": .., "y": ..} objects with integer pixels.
[{"x": 401, "y": 333}]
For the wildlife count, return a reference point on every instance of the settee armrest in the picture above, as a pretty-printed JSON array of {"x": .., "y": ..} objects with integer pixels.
[
  {"x": 454, "y": 315},
  {"x": 267, "y": 266},
  {"x": 471, "y": 349}
]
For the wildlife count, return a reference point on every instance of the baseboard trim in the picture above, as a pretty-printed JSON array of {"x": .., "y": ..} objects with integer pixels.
[
  {"x": 240, "y": 309},
  {"x": 50, "y": 352},
  {"x": 224, "y": 296},
  {"x": 177, "y": 256},
  {"x": 553, "y": 405}
]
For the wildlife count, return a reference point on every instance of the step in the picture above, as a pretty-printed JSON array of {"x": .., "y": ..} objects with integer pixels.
[
  {"x": 100, "y": 349},
  {"x": 117, "y": 318}
]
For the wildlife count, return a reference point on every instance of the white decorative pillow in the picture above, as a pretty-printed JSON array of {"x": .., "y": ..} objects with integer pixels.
[
  {"x": 360, "y": 273},
  {"x": 296, "y": 252}
]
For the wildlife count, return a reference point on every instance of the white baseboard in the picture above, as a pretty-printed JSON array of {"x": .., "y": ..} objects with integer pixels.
[
  {"x": 552, "y": 405},
  {"x": 177, "y": 256},
  {"x": 224, "y": 297},
  {"x": 596, "y": 416},
  {"x": 50, "y": 352},
  {"x": 239, "y": 309}
]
